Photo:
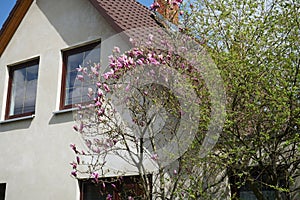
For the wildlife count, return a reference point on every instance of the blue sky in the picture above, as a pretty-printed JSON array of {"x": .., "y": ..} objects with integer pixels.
[
  {"x": 7, "y": 5},
  {"x": 5, "y": 8}
]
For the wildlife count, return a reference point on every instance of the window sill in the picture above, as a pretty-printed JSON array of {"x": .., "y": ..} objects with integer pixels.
[
  {"x": 64, "y": 111},
  {"x": 17, "y": 119}
]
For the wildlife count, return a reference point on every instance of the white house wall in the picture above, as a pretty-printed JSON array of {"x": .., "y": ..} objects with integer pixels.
[{"x": 35, "y": 153}]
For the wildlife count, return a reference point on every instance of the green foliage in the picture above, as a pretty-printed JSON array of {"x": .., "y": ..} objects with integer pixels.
[{"x": 256, "y": 46}]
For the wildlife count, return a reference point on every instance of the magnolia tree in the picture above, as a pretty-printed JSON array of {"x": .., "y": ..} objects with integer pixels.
[{"x": 150, "y": 110}]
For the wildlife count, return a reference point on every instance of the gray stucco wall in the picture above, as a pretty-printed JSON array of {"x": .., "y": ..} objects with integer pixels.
[{"x": 35, "y": 153}]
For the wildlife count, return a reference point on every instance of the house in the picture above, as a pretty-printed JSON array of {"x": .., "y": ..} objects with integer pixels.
[{"x": 40, "y": 43}]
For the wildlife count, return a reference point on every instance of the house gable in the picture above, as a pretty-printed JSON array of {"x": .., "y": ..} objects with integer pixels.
[{"x": 122, "y": 15}]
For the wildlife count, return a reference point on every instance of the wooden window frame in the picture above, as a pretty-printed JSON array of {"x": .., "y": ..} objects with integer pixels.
[
  {"x": 116, "y": 194},
  {"x": 65, "y": 55},
  {"x": 11, "y": 70}
]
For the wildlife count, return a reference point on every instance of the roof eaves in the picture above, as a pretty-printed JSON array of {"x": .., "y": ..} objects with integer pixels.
[{"x": 12, "y": 22}]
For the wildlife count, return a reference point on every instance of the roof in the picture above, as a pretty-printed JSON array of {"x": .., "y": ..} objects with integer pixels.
[
  {"x": 125, "y": 14},
  {"x": 12, "y": 22},
  {"x": 121, "y": 14}
]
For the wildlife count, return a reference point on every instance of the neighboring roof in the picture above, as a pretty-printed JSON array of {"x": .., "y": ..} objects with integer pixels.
[{"x": 121, "y": 14}]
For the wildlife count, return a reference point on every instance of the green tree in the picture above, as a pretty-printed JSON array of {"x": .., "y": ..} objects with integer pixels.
[{"x": 256, "y": 45}]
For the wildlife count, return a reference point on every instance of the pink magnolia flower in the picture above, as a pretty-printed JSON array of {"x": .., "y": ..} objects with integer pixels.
[
  {"x": 106, "y": 88},
  {"x": 74, "y": 173},
  {"x": 95, "y": 71},
  {"x": 100, "y": 112},
  {"x": 111, "y": 58},
  {"x": 130, "y": 198},
  {"x": 96, "y": 149},
  {"x": 154, "y": 61},
  {"x": 175, "y": 172},
  {"x": 130, "y": 61},
  {"x": 140, "y": 62},
  {"x": 160, "y": 56},
  {"x": 108, "y": 74},
  {"x": 95, "y": 176},
  {"x": 137, "y": 52},
  {"x": 175, "y": 3},
  {"x": 73, "y": 147},
  {"x": 127, "y": 87},
  {"x": 181, "y": 112},
  {"x": 74, "y": 165},
  {"x": 150, "y": 37},
  {"x": 88, "y": 143},
  {"x": 79, "y": 106},
  {"x": 98, "y": 103},
  {"x": 80, "y": 77},
  {"x": 82, "y": 69},
  {"x": 154, "y": 157},
  {"x": 97, "y": 66},
  {"x": 181, "y": 12},
  {"x": 116, "y": 50},
  {"x": 154, "y": 6},
  {"x": 115, "y": 140},
  {"x": 109, "y": 197}
]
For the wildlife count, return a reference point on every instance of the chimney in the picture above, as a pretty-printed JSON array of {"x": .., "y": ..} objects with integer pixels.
[{"x": 168, "y": 10}]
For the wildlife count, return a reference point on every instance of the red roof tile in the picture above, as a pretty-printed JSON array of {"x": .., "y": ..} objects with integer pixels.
[
  {"x": 125, "y": 14},
  {"x": 136, "y": 20}
]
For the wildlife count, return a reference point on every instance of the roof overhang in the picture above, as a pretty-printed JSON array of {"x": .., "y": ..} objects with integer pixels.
[{"x": 12, "y": 22}]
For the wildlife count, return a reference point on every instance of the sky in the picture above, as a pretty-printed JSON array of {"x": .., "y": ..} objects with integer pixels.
[
  {"x": 7, "y": 5},
  {"x": 5, "y": 8}
]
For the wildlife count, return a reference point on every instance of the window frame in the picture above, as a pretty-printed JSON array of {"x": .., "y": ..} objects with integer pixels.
[
  {"x": 11, "y": 70},
  {"x": 65, "y": 54},
  {"x": 128, "y": 183}
]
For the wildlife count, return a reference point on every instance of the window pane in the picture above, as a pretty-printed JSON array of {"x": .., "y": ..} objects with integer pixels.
[
  {"x": 2, "y": 191},
  {"x": 75, "y": 90},
  {"x": 92, "y": 56},
  {"x": 129, "y": 186},
  {"x": 23, "y": 89}
]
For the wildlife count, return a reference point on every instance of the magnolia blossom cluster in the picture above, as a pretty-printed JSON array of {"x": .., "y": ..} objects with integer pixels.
[
  {"x": 156, "y": 5},
  {"x": 100, "y": 113},
  {"x": 102, "y": 85},
  {"x": 170, "y": 3}
]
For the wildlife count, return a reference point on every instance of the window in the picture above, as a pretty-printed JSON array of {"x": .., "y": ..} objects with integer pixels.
[
  {"x": 262, "y": 180},
  {"x": 74, "y": 91},
  {"x": 22, "y": 89},
  {"x": 123, "y": 188},
  {"x": 2, "y": 191}
]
